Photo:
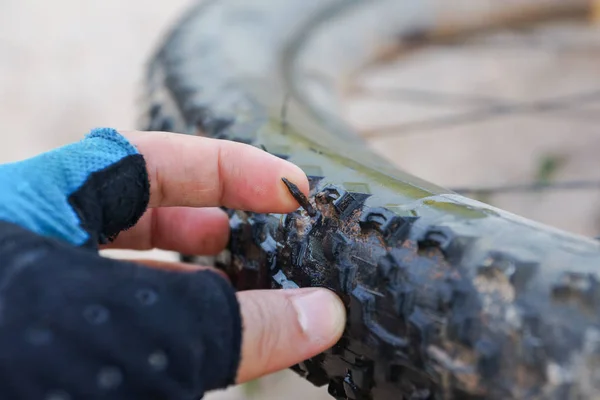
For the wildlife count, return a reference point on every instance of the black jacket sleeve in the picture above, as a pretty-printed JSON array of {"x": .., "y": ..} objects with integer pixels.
[{"x": 78, "y": 326}]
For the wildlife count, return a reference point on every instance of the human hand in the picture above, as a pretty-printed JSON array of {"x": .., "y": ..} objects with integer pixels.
[{"x": 164, "y": 330}]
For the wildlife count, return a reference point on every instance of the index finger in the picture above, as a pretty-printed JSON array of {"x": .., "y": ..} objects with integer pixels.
[{"x": 193, "y": 171}]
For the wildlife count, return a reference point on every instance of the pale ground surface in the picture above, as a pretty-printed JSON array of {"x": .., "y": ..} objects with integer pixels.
[{"x": 69, "y": 65}]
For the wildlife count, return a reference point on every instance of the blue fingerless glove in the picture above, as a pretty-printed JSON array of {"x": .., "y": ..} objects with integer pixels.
[
  {"x": 84, "y": 193},
  {"x": 78, "y": 326}
]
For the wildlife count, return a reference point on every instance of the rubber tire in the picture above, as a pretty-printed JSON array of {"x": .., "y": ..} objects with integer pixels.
[{"x": 447, "y": 298}]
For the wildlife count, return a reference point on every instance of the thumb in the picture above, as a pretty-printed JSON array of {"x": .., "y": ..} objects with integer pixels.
[{"x": 285, "y": 327}]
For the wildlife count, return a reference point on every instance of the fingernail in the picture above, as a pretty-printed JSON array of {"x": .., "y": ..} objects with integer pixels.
[{"x": 321, "y": 314}]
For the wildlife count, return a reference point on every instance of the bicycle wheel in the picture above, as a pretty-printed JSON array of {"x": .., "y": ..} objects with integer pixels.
[{"x": 447, "y": 297}]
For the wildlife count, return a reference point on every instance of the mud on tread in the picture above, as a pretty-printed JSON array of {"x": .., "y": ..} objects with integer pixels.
[{"x": 394, "y": 315}]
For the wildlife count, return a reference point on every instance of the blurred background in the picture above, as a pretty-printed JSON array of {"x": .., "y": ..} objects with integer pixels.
[
  {"x": 490, "y": 114},
  {"x": 497, "y": 112}
]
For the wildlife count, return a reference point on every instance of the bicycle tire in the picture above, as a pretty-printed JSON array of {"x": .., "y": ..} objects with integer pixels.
[{"x": 447, "y": 297}]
